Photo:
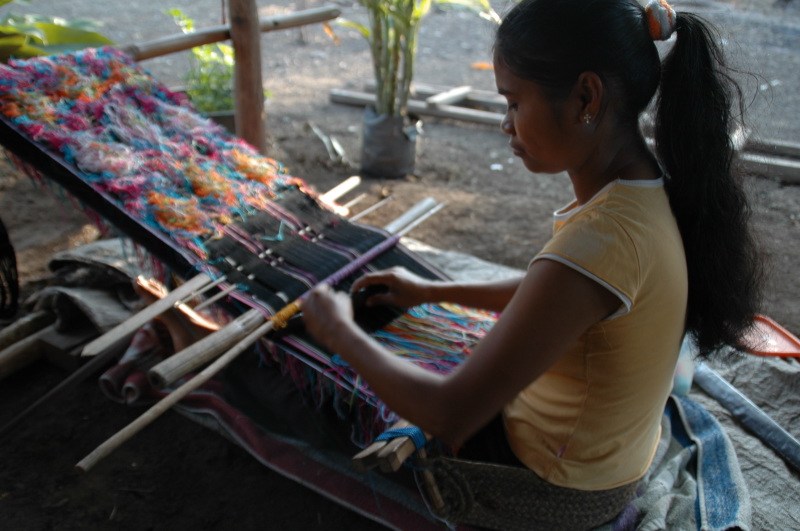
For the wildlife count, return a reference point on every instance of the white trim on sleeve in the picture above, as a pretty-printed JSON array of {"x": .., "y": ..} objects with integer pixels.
[{"x": 626, "y": 302}]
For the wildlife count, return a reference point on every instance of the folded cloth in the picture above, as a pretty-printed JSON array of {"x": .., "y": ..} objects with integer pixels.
[{"x": 695, "y": 481}]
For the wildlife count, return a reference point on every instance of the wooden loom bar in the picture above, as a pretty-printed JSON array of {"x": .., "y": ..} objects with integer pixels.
[
  {"x": 181, "y": 42},
  {"x": 221, "y": 362}
]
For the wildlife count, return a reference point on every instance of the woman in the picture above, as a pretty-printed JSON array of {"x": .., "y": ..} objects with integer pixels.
[{"x": 578, "y": 367}]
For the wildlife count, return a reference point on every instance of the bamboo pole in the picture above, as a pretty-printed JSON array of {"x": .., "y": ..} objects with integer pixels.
[
  {"x": 181, "y": 42},
  {"x": 248, "y": 86}
]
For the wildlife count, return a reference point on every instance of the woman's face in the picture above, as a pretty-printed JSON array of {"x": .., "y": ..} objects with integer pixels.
[{"x": 540, "y": 133}]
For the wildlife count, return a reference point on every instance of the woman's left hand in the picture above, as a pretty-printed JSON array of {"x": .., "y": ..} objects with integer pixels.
[{"x": 327, "y": 314}]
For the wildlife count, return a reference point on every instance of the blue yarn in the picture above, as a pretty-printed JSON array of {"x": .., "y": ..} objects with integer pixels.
[{"x": 416, "y": 435}]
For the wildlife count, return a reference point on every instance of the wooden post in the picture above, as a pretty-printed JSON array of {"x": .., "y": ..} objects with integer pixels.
[{"x": 248, "y": 88}]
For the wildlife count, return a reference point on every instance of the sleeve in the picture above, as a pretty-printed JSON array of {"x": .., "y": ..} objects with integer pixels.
[{"x": 598, "y": 246}]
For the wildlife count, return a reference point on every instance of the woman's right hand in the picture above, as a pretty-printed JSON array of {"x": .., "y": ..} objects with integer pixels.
[{"x": 403, "y": 288}]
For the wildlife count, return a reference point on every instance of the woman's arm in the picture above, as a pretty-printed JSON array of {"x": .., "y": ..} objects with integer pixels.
[{"x": 551, "y": 308}]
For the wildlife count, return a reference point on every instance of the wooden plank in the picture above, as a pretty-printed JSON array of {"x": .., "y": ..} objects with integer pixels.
[
  {"x": 781, "y": 169},
  {"x": 420, "y": 108}
]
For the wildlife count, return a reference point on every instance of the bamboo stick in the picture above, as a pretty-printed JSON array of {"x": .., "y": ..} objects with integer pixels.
[
  {"x": 367, "y": 458},
  {"x": 181, "y": 42},
  {"x": 392, "y": 457}
]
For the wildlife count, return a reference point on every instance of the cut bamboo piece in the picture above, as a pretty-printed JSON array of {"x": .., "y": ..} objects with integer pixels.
[
  {"x": 170, "y": 400},
  {"x": 341, "y": 189},
  {"x": 448, "y": 97},
  {"x": 178, "y": 43},
  {"x": 203, "y": 351}
]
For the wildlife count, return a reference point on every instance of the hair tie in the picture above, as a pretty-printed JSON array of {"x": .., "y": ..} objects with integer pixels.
[{"x": 660, "y": 19}]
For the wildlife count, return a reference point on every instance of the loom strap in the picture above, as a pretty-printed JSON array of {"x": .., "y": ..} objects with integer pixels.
[{"x": 414, "y": 433}]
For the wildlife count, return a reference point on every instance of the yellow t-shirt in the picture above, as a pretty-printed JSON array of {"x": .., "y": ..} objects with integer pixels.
[{"x": 592, "y": 421}]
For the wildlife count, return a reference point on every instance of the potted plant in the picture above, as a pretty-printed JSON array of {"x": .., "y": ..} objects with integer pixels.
[
  {"x": 388, "y": 147},
  {"x": 209, "y": 81}
]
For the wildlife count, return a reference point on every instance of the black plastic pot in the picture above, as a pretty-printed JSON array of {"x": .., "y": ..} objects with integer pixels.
[{"x": 389, "y": 145}]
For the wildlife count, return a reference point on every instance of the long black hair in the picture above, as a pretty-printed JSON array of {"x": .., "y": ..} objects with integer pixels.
[{"x": 552, "y": 42}]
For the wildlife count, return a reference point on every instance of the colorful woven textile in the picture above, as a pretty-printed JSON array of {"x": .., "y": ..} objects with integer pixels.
[{"x": 139, "y": 143}]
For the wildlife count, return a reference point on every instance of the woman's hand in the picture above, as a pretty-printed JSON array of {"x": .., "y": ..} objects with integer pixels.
[
  {"x": 327, "y": 315},
  {"x": 403, "y": 288}
]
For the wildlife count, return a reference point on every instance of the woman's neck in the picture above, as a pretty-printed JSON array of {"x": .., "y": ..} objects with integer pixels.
[{"x": 617, "y": 156}]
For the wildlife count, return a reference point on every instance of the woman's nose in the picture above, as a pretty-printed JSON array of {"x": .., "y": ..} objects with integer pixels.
[{"x": 507, "y": 126}]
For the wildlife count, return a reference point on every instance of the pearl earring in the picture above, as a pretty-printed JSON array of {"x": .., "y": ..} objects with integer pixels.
[{"x": 587, "y": 118}]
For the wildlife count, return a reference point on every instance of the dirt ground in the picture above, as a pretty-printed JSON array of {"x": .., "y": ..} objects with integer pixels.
[{"x": 177, "y": 475}]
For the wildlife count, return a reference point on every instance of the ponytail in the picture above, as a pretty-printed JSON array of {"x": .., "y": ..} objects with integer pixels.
[{"x": 692, "y": 132}]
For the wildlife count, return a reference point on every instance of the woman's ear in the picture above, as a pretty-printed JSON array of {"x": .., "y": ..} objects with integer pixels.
[{"x": 588, "y": 97}]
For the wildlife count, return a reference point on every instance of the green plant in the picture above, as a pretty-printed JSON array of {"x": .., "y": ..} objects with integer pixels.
[
  {"x": 23, "y": 36},
  {"x": 391, "y": 31},
  {"x": 209, "y": 82}
]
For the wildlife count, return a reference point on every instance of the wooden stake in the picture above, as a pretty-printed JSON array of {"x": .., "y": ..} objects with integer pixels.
[{"x": 249, "y": 90}]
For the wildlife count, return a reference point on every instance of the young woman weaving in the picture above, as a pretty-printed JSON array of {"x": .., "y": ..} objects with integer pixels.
[{"x": 580, "y": 362}]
